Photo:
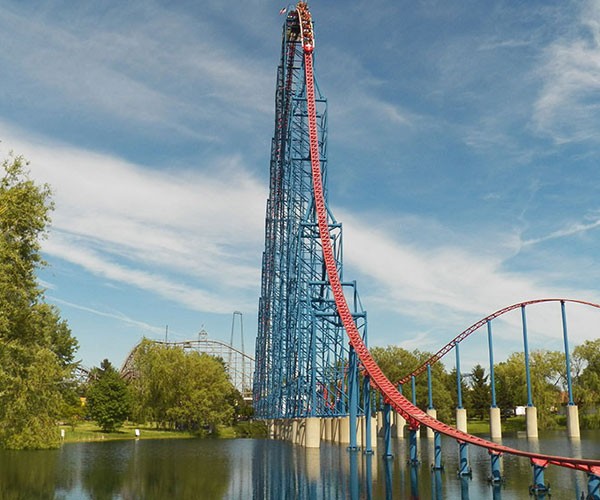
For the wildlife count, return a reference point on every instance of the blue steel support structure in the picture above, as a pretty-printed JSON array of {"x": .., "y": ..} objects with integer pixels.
[{"x": 302, "y": 354}]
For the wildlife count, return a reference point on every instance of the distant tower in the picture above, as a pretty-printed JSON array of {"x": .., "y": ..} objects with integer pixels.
[{"x": 244, "y": 369}]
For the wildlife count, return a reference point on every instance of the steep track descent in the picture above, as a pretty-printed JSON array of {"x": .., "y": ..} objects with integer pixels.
[{"x": 414, "y": 416}]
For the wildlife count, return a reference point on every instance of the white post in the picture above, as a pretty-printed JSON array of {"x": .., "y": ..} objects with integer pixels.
[{"x": 531, "y": 420}]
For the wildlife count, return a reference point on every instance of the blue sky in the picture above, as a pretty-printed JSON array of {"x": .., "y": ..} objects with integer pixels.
[{"x": 463, "y": 160}]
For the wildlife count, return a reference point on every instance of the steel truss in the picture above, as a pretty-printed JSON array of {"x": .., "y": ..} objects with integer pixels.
[
  {"x": 239, "y": 366},
  {"x": 302, "y": 353}
]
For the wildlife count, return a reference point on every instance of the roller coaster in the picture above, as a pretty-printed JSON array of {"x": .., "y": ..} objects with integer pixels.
[{"x": 304, "y": 366}]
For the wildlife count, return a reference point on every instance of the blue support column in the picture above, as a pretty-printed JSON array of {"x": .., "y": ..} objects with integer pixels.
[
  {"x": 464, "y": 469},
  {"x": 353, "y": 396},
  {"x": 437, "y": 451},
  {"x": 436, "y": 487},
  {"x": 389, "y": 484},
  {"x": 354, "y": 479},
  {"x": 387, "y": 431},
  {"x": 538, "y": 487},
  {"x": 414, "y": 390},
  {"x": 367, "y": 407},
  {"x": 593, "y": 487},
  {"x": 458, "y": 379},
  {"x": 429, "y": 389},
  {"x": 567, "y": 355},
  {"x": 414, "y": 482},
  {"x": 412, "y": 438},
  {"x": 491, "y": 356},
  {"x": 496, "y": 476},
  {"x": 369, "y": 476},
  {"x": 526, "y": 352}
]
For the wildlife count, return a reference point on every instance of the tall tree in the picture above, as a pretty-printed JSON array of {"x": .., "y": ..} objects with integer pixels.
[
  {"x": 479, "y": 394},
  {"x": 547, "y": 370},
  {"x": 178, "y": 389},
  {"x": 36, "y": 346},
  {"x": 586, "y": 360},
  {"x": 107, "y": 397}
]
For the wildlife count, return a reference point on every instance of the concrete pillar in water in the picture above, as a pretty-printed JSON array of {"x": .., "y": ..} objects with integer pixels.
[
  {"x": 345, "y": 430},
  {"x": 312, "y": 432},
  {"x": 335, "y": 430},
  {"x": 461, "y": 419},
  {"x": 360, "y": 436},
  {"x": 374, "y": 432},
  {"x": 313, "y": 465},
  {"x": 271, "y": 427},
  {"x": 400, "y": 425},
  {"x": 326, "y": 429},
  {"x": 573, "y": 421},
  {"x": 380, "y": 430},
  {"x": 294, "y": 438},
  {"x": 495, "y": 424},
  {"x": 531, "y": 421},
  {"x": 279, "y": 429},
  {"x": 432, "y": 412}
]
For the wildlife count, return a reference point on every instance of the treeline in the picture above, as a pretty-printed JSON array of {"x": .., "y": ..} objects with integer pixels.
[
  {"x": 36, "y": 346},
  {"x": 170, "y": 388},
  {"x": 548, "y": 383},
  {"x": 38, "y": 387}
]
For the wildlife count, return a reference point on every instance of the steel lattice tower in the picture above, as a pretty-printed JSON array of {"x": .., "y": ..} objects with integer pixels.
[{"x": 302, "y": 352}]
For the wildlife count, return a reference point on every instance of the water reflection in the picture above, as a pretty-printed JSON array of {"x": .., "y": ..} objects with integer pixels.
[{"x": 263, "y": 469}]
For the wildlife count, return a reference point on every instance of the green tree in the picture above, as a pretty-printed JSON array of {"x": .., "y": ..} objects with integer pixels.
[
  {"x": 36, "y": 346},
  {"x": 547, "y": 370},
  {"x": 178, "y": 389},
  {"x": 586, "y": 363},
  {"x": 478, "y": 393},
  {"x": 107, "y": 398},
  {"x": 397, "y": 362}
]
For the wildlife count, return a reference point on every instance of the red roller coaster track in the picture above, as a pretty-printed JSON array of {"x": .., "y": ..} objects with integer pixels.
[
  {"x": 413, "y": 415},
  {"x": 475, "y": 326}
]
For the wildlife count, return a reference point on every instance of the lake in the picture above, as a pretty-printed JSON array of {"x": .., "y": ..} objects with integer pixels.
[{"x": 258, "y": 468}]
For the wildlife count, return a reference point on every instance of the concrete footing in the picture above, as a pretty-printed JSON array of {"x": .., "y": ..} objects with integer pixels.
[
  {"x": 495, "y": 424},
  {"x": 400, "y": 424},
  {"x": 432, "y": 412},
  {"x": 380, "y": 430},
  {"x": 573, "y": 421},
  {"x": 312, "y": 432},
  {"x": 309, "y": 432},
  {"x": 461, "y": 419},
  {"x": 344, "y": 430},
  {"x": 531, "y": 421},
  {"x": 362, "y": 433}
]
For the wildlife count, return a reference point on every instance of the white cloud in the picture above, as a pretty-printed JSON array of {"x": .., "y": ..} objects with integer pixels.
[
  {"x": 568, "y": 104},
  {"x": 449, "y": 288},
  {"x": 191, "y": 236},
  {"x": 571, "y": 230}
]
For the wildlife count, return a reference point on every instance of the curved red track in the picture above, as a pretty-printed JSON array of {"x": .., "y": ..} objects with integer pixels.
[
  {"x": 405, "y": 408},
  {"x": 475, "y": 326}
]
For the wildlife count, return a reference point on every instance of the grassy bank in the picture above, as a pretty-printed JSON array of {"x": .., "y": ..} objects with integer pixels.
[{"x": 89, "y": 431}]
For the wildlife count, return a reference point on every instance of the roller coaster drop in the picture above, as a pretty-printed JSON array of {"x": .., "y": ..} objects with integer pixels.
[{"x": 303, "y": 366}]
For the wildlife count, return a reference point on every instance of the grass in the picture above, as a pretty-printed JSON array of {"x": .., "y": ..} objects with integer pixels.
[
  {"x": 478, "y": 426},
  {"x": 88, "y": 431}
]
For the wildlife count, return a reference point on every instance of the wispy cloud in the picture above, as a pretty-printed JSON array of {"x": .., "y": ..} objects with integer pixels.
[
  {"x": 440, "y": 285},
  {"x": 191, "y": 236},
  {"x": 573, "y": 229},
  {"x": 116, "y": 316},
  {"x": 567, "y": 106},
  {"x": 167, "y": 71}
]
